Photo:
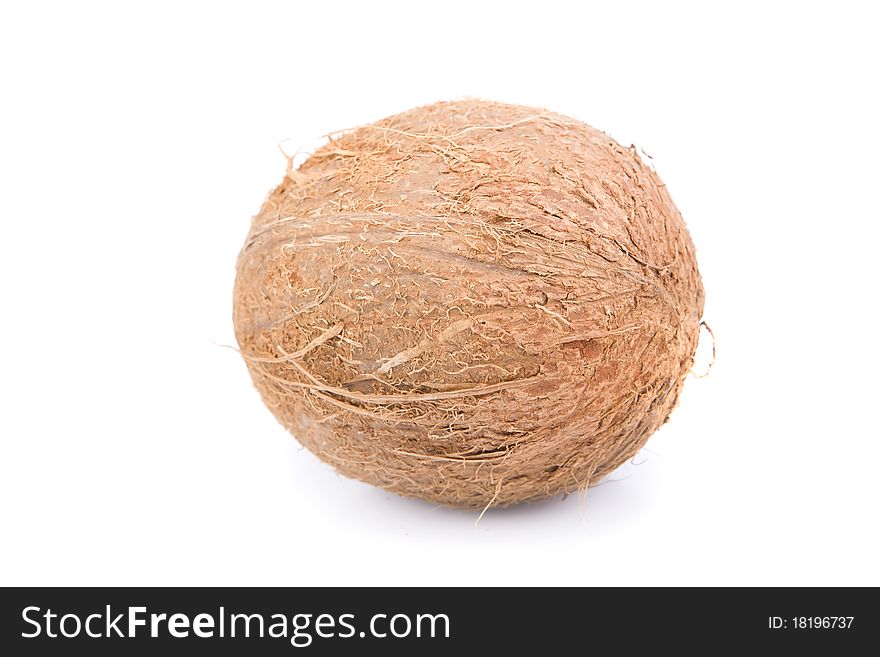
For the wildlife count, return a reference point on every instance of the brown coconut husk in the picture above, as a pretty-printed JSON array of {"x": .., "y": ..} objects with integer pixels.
[{"x": 472, "y": 303}]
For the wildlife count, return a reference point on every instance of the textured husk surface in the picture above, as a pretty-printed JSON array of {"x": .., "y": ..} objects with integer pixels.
[{"x": 473, "y": 303}]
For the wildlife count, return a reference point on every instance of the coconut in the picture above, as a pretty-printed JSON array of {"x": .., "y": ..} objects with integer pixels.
[{"x": 472, "y": 303}]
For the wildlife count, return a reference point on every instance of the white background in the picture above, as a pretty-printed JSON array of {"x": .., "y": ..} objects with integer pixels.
[{"x": 137, "y": 141}]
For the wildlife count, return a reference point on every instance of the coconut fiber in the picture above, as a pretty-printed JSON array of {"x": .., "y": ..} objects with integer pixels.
[{"x": 472, "y": 303}]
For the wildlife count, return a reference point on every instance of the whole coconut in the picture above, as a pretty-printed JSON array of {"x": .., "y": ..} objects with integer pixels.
[{"x": 472, "y": 303}]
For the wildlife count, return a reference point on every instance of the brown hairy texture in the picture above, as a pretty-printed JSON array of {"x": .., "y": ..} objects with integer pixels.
[{"x": 472, "y": 303}]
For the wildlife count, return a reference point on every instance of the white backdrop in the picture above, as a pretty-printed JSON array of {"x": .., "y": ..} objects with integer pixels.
[{"x": 137, "y": 140}]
